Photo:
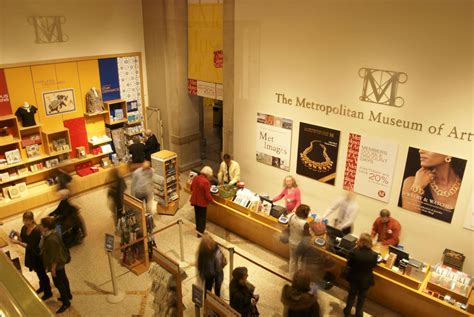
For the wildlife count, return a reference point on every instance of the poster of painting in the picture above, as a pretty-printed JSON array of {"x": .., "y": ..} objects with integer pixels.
[
  {"x": 370, "y": 164},
  {"x": 318, "y": 148},
  {"x": 469, "y": 223},
  {"x": 274, "y": 140},
  {"x": 59, "y": 101},
  {"x": 431, "y": 183}
]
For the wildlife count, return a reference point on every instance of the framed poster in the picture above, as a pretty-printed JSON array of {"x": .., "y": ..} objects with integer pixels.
[
  {"x": 369, "y": 168},
  {"x": 431, "y": 183},
  {"x": 59, "y": 101},
  {"x": 318, "y": 148},
  {"x": 274, "y": 140}
]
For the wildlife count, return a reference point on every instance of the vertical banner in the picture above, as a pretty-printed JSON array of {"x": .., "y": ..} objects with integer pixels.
[
  {"x": 109, "y": 79},
  {"x": 274, "y": 141},
  {"x": 318, "y": 148},
  {"x": 129, "y": 77},
  {"x": 5, "y": 106},
  {"x": 431, "y": 183},
  {"x": 370, "y": 165}
]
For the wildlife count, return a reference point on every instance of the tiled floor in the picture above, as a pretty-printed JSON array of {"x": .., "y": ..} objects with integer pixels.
[{"x": 89, "y": 272}]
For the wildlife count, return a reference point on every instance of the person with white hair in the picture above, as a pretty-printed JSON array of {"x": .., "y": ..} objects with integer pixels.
[
  {"x": 151, "y": 144},
  {"x": 201, "y": 197}
]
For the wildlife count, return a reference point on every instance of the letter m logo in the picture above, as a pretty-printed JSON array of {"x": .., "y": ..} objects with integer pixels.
[
  {"x": 48, "y": 29},
  {"x": 381, "y": 86}
]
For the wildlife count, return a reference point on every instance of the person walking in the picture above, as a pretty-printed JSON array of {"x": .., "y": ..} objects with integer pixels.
[
  {"x": 210, "y": 264},
  {"x": 299, "y": 300},
  {"x": 29, "y": 238},
  {"x": 115, "y": 193},
  {"x": 299, "y": 231},
  {"x": 201, "y": 197},
  {"x": 347, "y": 212},
  {"x": 142, "y": 183},
  {"x": 242, "y": 297},
  {"x": 360, "y": 276},
  {"x": 55, "y": 256}
]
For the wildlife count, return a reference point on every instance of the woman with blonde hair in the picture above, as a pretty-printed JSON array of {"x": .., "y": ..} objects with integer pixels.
[
  {"x": 291, "y": 193},
  {"x": 210, "y": 264},
  {"x": 201, "y": 197},
  {"x": 360, "y": 277}
]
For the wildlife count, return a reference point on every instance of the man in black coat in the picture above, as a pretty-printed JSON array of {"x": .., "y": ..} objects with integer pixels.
[{"x": 151, "y": 144}]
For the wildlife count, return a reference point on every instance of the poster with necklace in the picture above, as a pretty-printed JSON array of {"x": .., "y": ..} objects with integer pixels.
[
  {"x": 318, "y": 148},
  {"x": 431, "y": 183},
  {"x": 370, "y": 163}
]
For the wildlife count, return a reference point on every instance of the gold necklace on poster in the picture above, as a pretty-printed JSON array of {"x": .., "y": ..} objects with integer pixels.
[
  {"x": 324, "y": 166},
  {"x": 445, "y": 193}
]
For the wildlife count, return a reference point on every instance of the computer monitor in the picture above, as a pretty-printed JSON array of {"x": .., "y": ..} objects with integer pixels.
[
  {"x": 266, "y": 199},
  {"x": 400, "y": 254},
  {"x": 334, "y": 233}
]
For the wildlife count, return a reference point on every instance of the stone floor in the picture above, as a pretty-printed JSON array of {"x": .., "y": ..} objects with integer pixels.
[{"x": 90, "y": 279}]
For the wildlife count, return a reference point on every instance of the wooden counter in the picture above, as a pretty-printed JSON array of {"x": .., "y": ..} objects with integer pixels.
[{"x": 394, "y": 290}]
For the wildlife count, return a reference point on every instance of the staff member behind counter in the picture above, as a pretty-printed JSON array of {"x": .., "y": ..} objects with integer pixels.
[
  {"x": 386, "y": 228},
  {"x": 229, "y": 171}
]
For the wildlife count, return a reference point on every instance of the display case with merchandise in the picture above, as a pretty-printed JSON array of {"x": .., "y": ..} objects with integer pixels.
[
  {"x": 117, "y": 111},
  {"x": 165, "y": 181},
  {"x": 453, "y": 285}
]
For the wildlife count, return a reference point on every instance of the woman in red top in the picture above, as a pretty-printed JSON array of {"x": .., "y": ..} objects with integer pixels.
[
  {"x": 291, "y": 192},
  {"x": 201, "y": 197}
]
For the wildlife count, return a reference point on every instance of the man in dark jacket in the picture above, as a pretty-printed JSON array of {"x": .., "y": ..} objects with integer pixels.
[
  {"x": 298, "y": 298},
  {"x": 151, "y": 144},
  {"x": 242, "y": 298}
]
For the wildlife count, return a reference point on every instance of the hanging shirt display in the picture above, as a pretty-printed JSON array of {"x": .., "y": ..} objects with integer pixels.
[{"x": 26, "y": 115}]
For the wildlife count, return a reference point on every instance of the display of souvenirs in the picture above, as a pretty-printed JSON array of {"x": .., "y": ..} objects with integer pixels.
[
  {"x": 118, "y": 115},
  {"x": 22, "y": 188},
  {"x": 163, "y": 289},
  {"x": 14, "y": 192},
  {"x": 29, "y": 139},
  {"x": 248, "y": 199},
  {"x": 52, "y": 163},
  {"x": 451, "y": 279},
  {"x": 4, "y": 132},
  {"x": 81, "y": 152},
  {"x": 23, "y": 171},
  {"x": 135, "y": 116},
  {"x": 60, "y": 145},
  {"x": 36, "y": 167},
  {"x": 4, "y": 177},
  {"x": 13, "y": 156},
  {"x": 131, "y": 231},
  {"x": 5, "y": 191},
  {"x": 106, "y": 149},
  {"x": 32, "y": 150},
  {"x": 26, "y": 114},
  {"x": 105, "y": 162},
  {"x": 3, "y": 161},
  {"x": 136, "y": 129},
  {"x": 63, "y": 157}
]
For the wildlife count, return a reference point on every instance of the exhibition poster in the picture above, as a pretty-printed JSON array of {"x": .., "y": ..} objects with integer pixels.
[
  {"x": 431, "y": 183},
  {"x": 370, "y": 164},
  {"x": 318, "y": 148},
  {"x": 274, "y": 140}
]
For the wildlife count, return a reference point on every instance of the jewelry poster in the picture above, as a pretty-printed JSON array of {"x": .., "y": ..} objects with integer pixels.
[
  {"x": 317, "y": 153},
  {"x": 370, "y": 164},
  {"x": 431, "y": 183},
  {"x": 274, "y": 140}
]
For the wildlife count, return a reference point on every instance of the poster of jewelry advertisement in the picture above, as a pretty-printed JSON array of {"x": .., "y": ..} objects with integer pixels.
[
  {"x": 431, "y": 183},
  {"x": 370, "y": 164},
  {"x": 274, "y": 140},
  {"x": 318, "y": 148},
  {"x": 59, "y": 101}
]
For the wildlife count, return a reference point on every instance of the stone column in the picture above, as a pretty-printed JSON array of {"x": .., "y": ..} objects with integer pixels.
[
  {"x": 228, "y": 109},
  {"x": 165, "y": 25}
]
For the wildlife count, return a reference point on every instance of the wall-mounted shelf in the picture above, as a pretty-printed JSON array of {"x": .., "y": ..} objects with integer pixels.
[
  {"x": 111, "y": 107},
  {"x": 135, "y": 122},
  {"x": 100, "y": 142},
  {"x": 10, "y": 142},
  {"x": 30, "y": 127},
  {"x": 95, "y": 114},
  {"x": 52, "y": 136}
]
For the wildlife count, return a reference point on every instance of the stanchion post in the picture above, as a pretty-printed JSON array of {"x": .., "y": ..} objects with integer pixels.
[
  {"x": 118, "y": 296},
  {"x": 181, "y": 242},
  {"x": 231, "y": 260}
]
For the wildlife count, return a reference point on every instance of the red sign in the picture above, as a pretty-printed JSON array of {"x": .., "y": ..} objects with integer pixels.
[
  {"x": 192, "y": 87},
  {"x": 218, "y": 59},
  {"x": 351, "y": 161},
  {"x": 5, "y": 106}
]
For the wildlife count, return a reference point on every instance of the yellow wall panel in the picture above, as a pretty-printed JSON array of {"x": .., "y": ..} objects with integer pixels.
[
  {"x": 44, "y": 79},
  {"x": 95, "y": 126},
  {"x": 20, "y": 87},
  {"x": 67, "y": 76}
]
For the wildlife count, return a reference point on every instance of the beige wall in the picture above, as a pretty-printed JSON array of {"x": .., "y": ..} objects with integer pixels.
[
  {"x": 93, "y": 27},
  {"x": 314, "y": 49}
]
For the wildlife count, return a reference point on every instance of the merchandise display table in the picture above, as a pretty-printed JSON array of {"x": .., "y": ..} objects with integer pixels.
[{"x": 394, "y": 290}]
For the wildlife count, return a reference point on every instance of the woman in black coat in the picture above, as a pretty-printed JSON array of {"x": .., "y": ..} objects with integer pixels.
[
  {"x": 242, "y": 298},
  {"x": 29, "y": 238},
  {"x": 360, "y": 277}
]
